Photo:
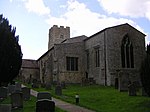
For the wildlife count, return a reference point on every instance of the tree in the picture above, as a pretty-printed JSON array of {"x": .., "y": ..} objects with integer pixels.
[
  {"x": 145, "y": 71},
  {"x": 10, "y": 52}
]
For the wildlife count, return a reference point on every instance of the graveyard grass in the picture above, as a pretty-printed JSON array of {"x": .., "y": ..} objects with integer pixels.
[
  {"x": 104, "y": 99},
  {"x": 28, "y": 106}
]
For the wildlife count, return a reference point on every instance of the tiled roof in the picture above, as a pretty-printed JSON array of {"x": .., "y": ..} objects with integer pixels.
[
  {"x": 75, "y": 39},
  {"x": 27, "y": 63}
]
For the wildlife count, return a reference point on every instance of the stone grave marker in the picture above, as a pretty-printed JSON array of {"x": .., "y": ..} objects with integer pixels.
[
  {"x": 45, "y": 105},
  {"x": 143, "y": 92},
  {"x": 44, "y": 95},
  {"x": 123, "y": 81},
  {"x": 17, "y": 100},
  {"x": 48, "y": 86},
  {"x": 58, "y": 90},
  {"x": 3, "y": 92},
  {"x": 26, "y": 93},
  {"x": 11, "y": 89},
  {"x": 63, "y": 85},
  {"x": 5, "y": 107},
  {"x": 35, "y": 83},
  {"x": 18, "y": 86},
  {"x": 131, "y": 89}
]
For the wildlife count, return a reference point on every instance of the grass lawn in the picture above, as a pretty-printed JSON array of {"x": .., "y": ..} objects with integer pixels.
[{"x": 104, "y": 99}]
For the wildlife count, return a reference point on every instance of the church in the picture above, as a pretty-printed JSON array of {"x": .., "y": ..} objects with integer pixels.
[{"x": 109, "y": 57}]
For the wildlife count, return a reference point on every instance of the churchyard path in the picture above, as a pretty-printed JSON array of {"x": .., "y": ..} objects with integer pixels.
[{"x": 64, "y": 105}]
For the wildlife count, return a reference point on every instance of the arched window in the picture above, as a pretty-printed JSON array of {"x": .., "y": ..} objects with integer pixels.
[{"x": 127, "y": 53}]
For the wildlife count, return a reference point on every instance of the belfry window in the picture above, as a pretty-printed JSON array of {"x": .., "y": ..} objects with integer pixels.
[{"x": 127, "y": 53}]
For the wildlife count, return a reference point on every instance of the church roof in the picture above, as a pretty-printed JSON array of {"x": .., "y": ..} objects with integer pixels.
[
  {"x": 113, "y": 27},
  {"x": 31, "y": 64},
  {"x": 75, "y": 39}
]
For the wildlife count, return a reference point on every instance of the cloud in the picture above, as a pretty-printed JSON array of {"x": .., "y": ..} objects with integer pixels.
[
  {"x": 131, "y": 8},
  {"x": 36, "y": 6},
  {"x": 83, "y": 21}
]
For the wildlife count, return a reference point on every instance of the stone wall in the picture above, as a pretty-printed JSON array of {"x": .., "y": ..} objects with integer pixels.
[
  {"x": 69, "y": 50},
  {"x": 114, "y": 40}
]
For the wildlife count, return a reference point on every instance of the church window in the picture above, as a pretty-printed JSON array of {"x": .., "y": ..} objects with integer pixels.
[
  {"x": 127, "y": 53},
  {"x": 87, "y": 59},
  {"x": 72, "y": 63},
  {"x": 97, "y": 58}
]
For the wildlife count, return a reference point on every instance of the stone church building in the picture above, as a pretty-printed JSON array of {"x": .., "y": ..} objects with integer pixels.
[{"x": 112, "y": 55}]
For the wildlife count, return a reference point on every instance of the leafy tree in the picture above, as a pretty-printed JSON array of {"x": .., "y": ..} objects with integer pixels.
[
  {"x": 145, "y": 71},
  {"x": 10, "y": 52}
]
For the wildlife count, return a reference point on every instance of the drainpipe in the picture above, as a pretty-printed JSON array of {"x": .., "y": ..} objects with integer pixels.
[{"x": 105, "y": 69}]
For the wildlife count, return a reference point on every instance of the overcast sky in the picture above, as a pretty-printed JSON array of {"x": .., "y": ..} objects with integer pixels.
[{"x": 33, "y": 18}]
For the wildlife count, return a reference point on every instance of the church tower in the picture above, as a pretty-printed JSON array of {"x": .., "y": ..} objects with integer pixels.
[{"x": 58, "y": 35}]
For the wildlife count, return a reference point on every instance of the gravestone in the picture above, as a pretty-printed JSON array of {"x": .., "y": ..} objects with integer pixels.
[
  {"x": 143, "y": 92},
  {"x": 11, "y": 89},
  {"x": 35, "y": 83},
  {"x": 131, "y": 89},
  {"x": 5, "y": 107},
  {"x": 45, "y": 105},
  {"x": 48, "y": 86},
  {"x": 18, "y": 86},
  {"x": 123, "y": 81},
  {"x": 63, "y": 85},
  {"x": 17, "y": 100},
  {"x": 26, "y": 93},
  {"x": 3, "y": 92},
  {"x": 44, "y": 95},
  {"x": 58, "y": 90}
]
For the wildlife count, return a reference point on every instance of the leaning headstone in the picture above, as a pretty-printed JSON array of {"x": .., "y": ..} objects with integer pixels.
[
  {"x": 131, "y": 89},
  {"x": 26, "y": 93},
  {"x": 45, "y": 105},
  {"x": 44, "y": 95},
  {"x": 3, "y": 92},
  {"x": 58, "y": 90},
  {"x": 11, "y": 89},
  {"x": 5, "y": 107},
  {"x": 18, "y": 86},
  {"x": 17, "y": 100}
]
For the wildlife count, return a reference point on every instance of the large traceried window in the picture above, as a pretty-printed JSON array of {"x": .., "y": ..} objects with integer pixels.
[
  {"x": 127, "y": 53},
  {"x": 72, "y": 63}
]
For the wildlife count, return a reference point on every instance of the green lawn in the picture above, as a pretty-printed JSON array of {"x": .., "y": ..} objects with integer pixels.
[{"x": 105, "y": 99}]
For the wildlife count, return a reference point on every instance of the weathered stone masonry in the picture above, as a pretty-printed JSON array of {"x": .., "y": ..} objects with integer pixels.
[{"x": 113, "y": 53}]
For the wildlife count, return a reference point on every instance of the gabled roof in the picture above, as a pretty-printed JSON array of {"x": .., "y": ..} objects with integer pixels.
[
  {"x": 28, "y": 63},
  {"x": 75, "y": 39},
  {"x": 111, "y": 28}
]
